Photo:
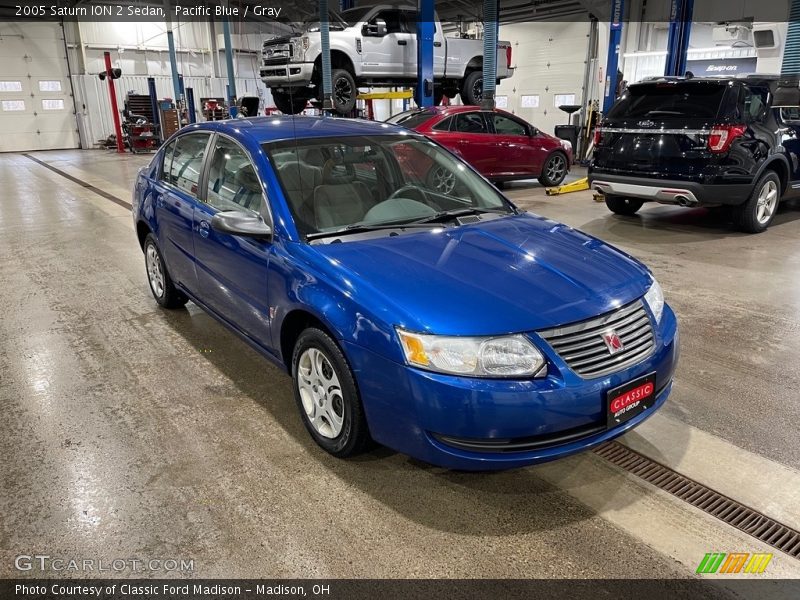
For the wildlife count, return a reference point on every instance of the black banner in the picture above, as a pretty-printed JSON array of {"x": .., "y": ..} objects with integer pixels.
[{"x": 405, "y": 589}]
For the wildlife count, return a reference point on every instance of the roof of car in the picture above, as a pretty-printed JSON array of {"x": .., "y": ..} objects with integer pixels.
[{"x": 283, "y": 127}]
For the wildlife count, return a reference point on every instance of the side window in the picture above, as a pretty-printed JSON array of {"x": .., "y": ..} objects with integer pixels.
[
  {"x": 166, "y": 163},
  {"x": 755, "y": 103},
  {"x": 187, "y": 162},
  {"x": 470, "y": 123},
  {"x": 505, "y": 126},
  {"x": 395, "y": 20},
  {"x": 232, "y": 180},
  {"x": 444, "y": 124}
]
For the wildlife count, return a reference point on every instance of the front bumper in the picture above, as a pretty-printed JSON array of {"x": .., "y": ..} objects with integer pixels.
[
  {"x": 666, "y": 191},
  {"x": 465, "y": 423},
  {"x": 286, "y": 74}
]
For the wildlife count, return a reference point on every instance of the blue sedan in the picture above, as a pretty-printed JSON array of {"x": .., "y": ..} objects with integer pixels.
[{"x": 450, "y": 326}]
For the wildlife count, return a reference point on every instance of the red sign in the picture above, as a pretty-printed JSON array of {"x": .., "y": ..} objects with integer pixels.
[{"x": 631, "y": 397}]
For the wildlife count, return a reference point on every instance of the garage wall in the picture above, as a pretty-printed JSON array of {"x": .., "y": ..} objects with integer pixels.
[{"x": 550, "y": 60}]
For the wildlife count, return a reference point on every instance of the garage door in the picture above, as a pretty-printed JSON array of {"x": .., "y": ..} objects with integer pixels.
[
  {"x": 36, "y": 109},
  {"x": 550, "y": 57}
]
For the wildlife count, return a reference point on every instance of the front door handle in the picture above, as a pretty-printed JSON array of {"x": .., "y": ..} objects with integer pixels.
[
  {"x": 204, "y": 229},
  {"x": 160, "y": 201},
  {"x": 402, "y": 42},
  {"x": 437, "y": 44}
]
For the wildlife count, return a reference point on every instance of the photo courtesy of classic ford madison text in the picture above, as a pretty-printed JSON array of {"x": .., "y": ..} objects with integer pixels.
[{"x": 348, "y": 299}]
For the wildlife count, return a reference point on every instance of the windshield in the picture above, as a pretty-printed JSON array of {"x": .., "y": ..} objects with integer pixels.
[
  {"x": 362, "y": 181},
  {"x": 669, "y": 100}
]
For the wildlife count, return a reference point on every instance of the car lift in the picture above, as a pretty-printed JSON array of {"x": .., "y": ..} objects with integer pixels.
[{"x": 369, "y": 97}]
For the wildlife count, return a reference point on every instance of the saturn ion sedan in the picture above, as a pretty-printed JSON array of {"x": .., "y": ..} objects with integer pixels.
[{"x": 450, "y": 326}]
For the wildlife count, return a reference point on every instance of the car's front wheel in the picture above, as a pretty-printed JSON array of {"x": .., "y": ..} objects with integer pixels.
[
  {"x": 755, "y": 215},
  {"x": 623, "y": 206},
  {"x": 326, "y": 394},
  {"x": 164, "y": 290},
  {"x": 290, "y": 104}
]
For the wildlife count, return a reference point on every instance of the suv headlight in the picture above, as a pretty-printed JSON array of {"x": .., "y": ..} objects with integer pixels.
[
  {"x": 500, "y": 356},
  {"x": 299, "y": 47},
  {"x": 655, "y": 300}
]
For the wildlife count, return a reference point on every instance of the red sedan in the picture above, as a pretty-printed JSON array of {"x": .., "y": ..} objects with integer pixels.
[{"x": 501, "y": 146}]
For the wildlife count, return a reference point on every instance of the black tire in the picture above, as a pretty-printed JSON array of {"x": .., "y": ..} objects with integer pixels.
[
  {"x": 752, "y": 217},
  {"x": 166, "y": 294},
  {"x": 472, "y": 88},
  {"x": 344, "y": 91},
  {"x": 289, "y": 104},
  {"x": 623, "y": 206},
  {"x": 441, "y": 179},
  {"x": 554, "y": 170},
  {"x": 353, "y": 437},
  {"x": 438, "y": 94}
]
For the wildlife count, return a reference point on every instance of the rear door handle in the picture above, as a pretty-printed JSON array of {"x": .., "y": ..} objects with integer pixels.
[
  {"x": 402, "y": 42},
  {"x": 160, "y": 201},
  {"x": 204, "y": 229},
  {"x": 437, "y": 44}
]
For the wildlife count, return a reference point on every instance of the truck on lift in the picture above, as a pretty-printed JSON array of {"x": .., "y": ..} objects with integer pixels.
[{"x": 374, "y": 46}]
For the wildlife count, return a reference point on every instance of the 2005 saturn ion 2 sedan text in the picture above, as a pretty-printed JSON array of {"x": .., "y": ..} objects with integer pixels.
[{"x": 448, "y": 326}]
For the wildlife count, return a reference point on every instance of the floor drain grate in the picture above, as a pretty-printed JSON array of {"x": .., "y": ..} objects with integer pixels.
[{"x": 723, "y": 508}]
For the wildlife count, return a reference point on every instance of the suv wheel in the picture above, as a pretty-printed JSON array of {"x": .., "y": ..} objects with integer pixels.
[
  {"x": 755, "y": 215},
  {"x": 326, "y": 394},
  {"x": 290, "y": 104},
  {"x": 623, "y": 206}
]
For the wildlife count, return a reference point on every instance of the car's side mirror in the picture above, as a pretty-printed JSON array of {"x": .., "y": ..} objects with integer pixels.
[
  {"x": 376, "y": 28},
  {"x": 235, "y": 222},
  {"x": 534, "y": 132}
]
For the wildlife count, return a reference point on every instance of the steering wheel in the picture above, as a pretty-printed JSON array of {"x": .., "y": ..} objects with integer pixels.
[{"x": 418, "y": 194}]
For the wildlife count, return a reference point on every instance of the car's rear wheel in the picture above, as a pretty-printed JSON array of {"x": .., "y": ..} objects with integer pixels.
[
  {"x": 326, "y": 394},
  {"x": 554, "y": 170},
  {"x": 623, "y": 206},
  {"x": 441, "y": 179},
  {"x": 755, "y": 215},
  {"x": 161, "y": 285}
]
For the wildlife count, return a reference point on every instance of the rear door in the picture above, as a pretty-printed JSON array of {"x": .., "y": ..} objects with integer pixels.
[
  {"x": 661, "y": 129},
  {"x": 471, "y": 138},
  {"x": 231, "y": 269},
  {"x": 177, "y": 195}
]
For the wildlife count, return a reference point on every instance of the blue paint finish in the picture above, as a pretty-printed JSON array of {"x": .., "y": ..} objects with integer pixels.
[
  {"x": 614, "y": 40},
  {"x": 519, "y": 273},
  {"x": 680, "y": 29},
  {"x": 425, "y": 32}
]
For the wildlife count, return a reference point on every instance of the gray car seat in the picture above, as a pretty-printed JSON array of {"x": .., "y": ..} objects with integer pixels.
[
  {"x": 299, "y": 180},
  {"x": 340, "y": 200}
]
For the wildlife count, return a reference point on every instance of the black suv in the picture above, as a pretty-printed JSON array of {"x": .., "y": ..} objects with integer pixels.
[{"x": 701, "y": 142}]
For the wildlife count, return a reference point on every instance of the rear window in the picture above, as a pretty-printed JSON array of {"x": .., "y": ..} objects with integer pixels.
[
  {"x": 410, "y": 120},
  {"x": 665, "y": 100}
]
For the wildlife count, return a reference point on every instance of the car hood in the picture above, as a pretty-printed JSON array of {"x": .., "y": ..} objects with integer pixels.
[{"x": 512, "y": 274}]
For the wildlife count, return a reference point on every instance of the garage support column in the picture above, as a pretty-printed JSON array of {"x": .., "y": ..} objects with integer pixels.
[
  {"x": 226, "y": 32},
  {"x": 680, "y": 28},
  {"x": 325, "y": 36},
  {"x": 173, "y": 62},
  {"x": 425, "y": 32},
  {"x": 612, "y": 66},
  {"x": 112, "y": 92},
  {"x": 490, "y": 30},
  {"x": 791, "y": 53},
  {"x": 151, "y": 90}
]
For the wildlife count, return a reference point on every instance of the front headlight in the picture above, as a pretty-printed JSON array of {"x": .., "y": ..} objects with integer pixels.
[
  {"x": 502, "y": 356},
  {"x": 299, "y": 47},
  {"x": 567, "y": 145},
  {"x": 655, "y": 300}
]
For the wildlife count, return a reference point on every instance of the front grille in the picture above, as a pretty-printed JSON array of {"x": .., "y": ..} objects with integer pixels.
[
  {"x": 273, "y": 54},
  {"x": 582, "y": 346}
]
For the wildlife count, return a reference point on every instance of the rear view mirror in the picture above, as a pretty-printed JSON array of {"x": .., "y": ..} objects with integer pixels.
[
  {"x": 234, "y": 222},
  {"x": 376, "y": 28}
]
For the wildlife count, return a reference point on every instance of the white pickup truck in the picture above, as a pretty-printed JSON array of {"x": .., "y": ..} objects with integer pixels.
[{"x": 373, "y": 46}]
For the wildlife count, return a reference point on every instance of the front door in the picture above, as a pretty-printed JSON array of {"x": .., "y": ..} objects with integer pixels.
[
  {"x": 473, "y": 142},
  {"x": 383, "y": 56},
  {"x": 231, "y": 269}
]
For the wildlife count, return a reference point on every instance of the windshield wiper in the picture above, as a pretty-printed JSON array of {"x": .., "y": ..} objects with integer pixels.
[
  {"x": 362, "y": 227},
  {"x": 459, "y": 212}
]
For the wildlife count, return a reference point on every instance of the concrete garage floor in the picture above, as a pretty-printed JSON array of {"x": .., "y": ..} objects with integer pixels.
[{"x": 130, "y": 431}]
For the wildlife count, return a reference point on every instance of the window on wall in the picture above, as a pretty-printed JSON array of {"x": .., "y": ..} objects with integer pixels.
[
  {"x": 187, "y": 162},
  {"x": 10, "y": 86},
  {"x": 50, "y": 86},
  {"x": 232, "y": 181},
  {"x": 54, "y": 104},
  {"x": 10, "y": 105}
]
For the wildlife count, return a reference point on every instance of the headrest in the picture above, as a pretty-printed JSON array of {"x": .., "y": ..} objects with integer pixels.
[{"x": 246, "y": 178}]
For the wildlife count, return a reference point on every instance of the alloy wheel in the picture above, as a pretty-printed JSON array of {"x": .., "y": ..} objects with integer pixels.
[
  {"x": 321, "y": 393},
  {"x": 154, "y": 272},
  {"x": 556, "y": 167},
  {"x": 443, "y": 180},
  {"x": 477, "y": 90},
  {"x": 342, "y": 91},
  {"x": 767, "y": 202}
]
